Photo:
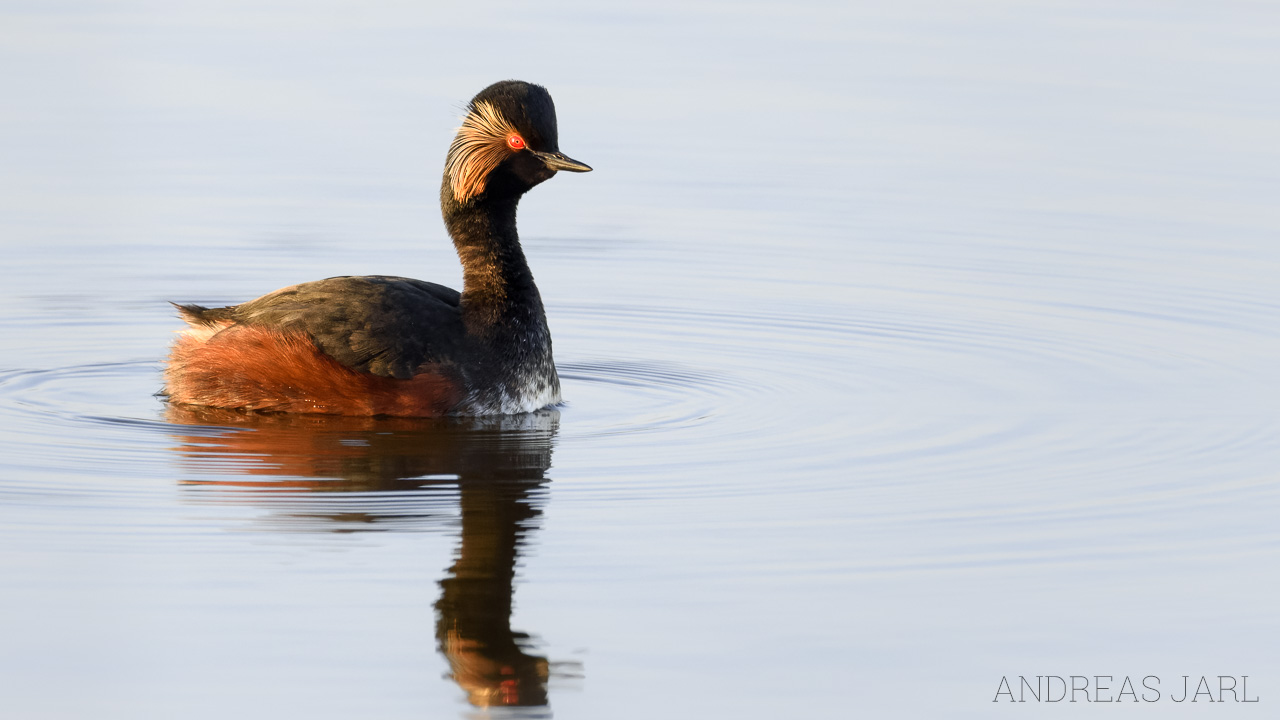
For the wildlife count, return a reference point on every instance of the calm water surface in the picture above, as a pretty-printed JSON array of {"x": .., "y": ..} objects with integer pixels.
[{"x": 903, "y": 350}]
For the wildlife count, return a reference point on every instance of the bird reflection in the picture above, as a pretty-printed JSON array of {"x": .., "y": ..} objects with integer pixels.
[{"x": 341, "y": 474}]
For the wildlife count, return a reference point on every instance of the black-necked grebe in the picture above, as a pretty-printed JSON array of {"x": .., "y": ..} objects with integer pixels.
[{"x": 381, "y": 345}]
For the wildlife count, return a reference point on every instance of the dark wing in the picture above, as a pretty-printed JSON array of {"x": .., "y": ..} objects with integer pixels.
[{"x": 387, "y": 326}]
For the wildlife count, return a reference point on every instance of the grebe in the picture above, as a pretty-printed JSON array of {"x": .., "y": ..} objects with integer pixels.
[{"x": 382, "y": 345}]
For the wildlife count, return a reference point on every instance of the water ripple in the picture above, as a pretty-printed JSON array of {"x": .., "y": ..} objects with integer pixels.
[{"x": 824, "y": 403}]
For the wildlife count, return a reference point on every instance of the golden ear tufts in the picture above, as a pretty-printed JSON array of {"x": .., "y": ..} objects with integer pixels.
[{"x": 478, "y": 148}]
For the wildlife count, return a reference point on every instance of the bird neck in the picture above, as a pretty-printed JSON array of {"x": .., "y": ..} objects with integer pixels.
[
  {"x": 497, "y": 282},
  {"x": 507, "y": 338}
]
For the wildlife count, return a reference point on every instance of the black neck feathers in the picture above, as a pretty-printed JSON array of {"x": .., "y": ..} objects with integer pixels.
[{"x": 498, "y": 288}]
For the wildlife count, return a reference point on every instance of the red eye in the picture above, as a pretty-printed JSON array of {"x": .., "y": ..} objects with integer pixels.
[{"x": 516, "y": 142}]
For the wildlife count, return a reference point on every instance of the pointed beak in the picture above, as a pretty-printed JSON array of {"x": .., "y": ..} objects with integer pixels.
[{"x": 560, "y": 161}]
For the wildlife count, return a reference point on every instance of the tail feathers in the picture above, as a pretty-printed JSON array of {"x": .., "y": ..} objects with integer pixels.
[{"x": 203, "y": 317}]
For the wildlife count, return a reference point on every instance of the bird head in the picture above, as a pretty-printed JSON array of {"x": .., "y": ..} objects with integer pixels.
[{"x": 507, "y": 144}]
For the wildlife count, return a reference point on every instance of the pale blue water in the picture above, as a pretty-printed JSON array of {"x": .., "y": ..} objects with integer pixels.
[{"x": 905, "y": 348}]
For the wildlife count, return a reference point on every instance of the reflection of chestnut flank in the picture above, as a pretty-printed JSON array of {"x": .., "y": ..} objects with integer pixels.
[
  {"x": 382, "y": 345},
  {"x": 497, "y": 465}
]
